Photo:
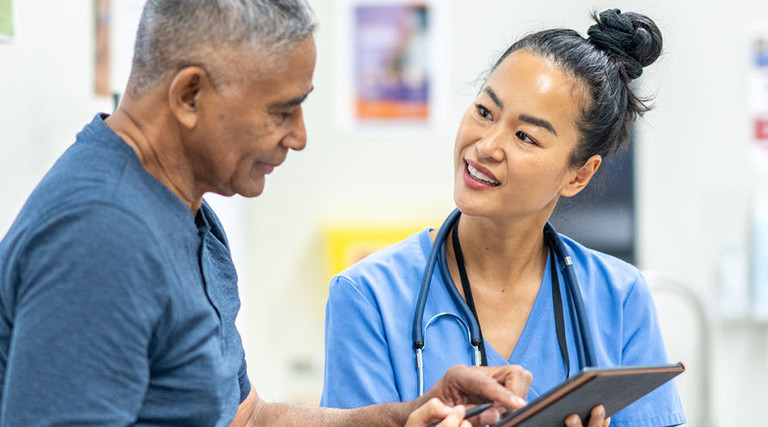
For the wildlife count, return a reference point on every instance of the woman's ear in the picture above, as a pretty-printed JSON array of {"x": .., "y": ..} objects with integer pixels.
[
  {"x": 184, "y": 94},
  {"x": 582, "y": 176}
]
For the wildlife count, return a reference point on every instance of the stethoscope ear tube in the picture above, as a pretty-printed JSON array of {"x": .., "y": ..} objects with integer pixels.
[
  {"x": 582, "y": 333},
  {"x": 475, "y": 337},
  {"x": 418, "y": 316},
  {"x": 578, "y": 302}
]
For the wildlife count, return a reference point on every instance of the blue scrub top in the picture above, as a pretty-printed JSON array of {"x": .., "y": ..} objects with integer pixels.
[{"x": 369, "y": 355}]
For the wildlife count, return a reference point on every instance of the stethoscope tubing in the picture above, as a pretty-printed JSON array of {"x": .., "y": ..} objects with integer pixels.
[
  {"x": 578, "y": 309},
  {"x": 580, "y": 327},
  {"x": 418, "y": 317}
]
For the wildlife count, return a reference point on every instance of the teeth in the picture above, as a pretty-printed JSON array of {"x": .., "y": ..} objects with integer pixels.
[{"x": 474, "y": 173}]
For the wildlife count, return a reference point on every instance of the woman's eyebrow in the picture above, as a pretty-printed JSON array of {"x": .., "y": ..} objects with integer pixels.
[
  {"x": 522, "y": 117},
  {"x": 494, "y": 97},
  {"x": 537, "y": 122}
]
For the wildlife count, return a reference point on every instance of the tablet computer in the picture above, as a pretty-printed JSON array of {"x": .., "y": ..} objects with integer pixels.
[{"x": 614, "y": 388}]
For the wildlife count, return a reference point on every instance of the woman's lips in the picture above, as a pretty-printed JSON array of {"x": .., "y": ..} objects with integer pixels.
[{"x": 480, "y": 175}]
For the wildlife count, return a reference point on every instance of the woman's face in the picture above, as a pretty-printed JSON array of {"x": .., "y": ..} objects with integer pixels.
[{"x": 514, "y": 144}]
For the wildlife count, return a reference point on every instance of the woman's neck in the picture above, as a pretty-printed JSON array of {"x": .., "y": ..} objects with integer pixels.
[{"x": 502, "y": 254}]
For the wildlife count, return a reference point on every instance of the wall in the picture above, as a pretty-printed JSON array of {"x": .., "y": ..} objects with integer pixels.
[
  {"x": 692, "y": 151},
  {"x": 46, "y": 93}
]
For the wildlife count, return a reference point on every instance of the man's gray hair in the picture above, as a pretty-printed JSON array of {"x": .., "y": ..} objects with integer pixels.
[{"x": 174, "y": 34}]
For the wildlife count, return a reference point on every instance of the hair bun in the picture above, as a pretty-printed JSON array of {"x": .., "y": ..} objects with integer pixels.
[{"x": 633, "y": 37}]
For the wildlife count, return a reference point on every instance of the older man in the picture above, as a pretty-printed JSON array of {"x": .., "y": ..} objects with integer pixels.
[{"x": 117, "y": 291}]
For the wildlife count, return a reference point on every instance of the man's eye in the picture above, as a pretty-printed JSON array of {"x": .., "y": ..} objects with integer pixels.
[
  {"x": 283, "y": 116},
  {"x": 484, "y": 112}
]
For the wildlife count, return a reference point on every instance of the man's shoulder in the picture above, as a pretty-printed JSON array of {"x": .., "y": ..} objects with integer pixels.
[{"x": 100, "y": 173}]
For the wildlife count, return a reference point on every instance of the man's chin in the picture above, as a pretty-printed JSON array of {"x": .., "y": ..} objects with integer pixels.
[{"x": 254, "y": 191}]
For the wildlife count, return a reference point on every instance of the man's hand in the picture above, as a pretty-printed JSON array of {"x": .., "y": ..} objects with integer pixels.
[
  {"x": 436, "y": 411},
  {"x": 506, "y": 386}
]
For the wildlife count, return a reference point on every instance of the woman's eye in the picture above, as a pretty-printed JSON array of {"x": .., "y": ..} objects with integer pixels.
[
  {"x": 525, "y": 138},
  {"x": 484, "y": 112}
]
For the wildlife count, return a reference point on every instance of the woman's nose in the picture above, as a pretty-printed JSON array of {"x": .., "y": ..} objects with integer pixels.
[{"x": 490, "y": 145}]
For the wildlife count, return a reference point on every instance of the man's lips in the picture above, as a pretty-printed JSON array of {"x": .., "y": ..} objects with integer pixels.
[{"x": 270, "y": 166}]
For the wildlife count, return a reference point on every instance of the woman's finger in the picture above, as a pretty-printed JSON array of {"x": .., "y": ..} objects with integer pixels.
[
  {"x": 597, "y": 416},
  {"x": 573, "y": 420}
]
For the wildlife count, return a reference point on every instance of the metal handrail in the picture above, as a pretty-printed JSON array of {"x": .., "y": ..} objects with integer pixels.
[{"x": 659, "y": 281}]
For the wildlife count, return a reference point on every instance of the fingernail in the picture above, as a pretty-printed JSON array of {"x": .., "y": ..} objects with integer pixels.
[{"x": 519, "y": 400}]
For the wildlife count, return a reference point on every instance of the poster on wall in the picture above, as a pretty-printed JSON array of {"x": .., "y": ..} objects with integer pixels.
[
  {"x": 389, "y": 64},
  {"x": 391, "y": 70},
  {"x": 758, "y": 110},
  {"x": 6, "y": 20},
  {"x": 759, "y": 86},
  {"x": 102, "y": 11}
]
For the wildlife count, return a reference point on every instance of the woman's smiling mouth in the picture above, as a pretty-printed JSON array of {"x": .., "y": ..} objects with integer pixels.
[{"x": 480, "y": 176}]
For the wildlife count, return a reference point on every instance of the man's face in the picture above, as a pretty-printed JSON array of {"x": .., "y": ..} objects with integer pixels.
[{"x": 246, "y": 130}]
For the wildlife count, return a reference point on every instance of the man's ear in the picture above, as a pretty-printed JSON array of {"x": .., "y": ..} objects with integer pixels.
[
  {"x": 582, "y": 176},
  {"x": 184, "y": 94}
]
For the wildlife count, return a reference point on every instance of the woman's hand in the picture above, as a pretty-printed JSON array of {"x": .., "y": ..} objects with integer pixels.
[
  {"x": 435, "y": 410},
  {"x": 596, "y": 418}
]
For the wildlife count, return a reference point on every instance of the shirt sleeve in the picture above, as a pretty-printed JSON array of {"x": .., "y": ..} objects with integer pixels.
[
  {"x": 358, "y": 369},
  {"x": 86, "y": 302},
  {"x": 243, "y": 381},
  {"x": 644, "y": 345}
]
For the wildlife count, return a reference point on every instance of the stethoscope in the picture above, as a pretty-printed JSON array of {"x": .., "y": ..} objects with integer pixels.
[{"x": 558, "y": 250}]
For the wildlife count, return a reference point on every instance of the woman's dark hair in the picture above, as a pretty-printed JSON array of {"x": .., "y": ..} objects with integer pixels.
[{"x": 618, "y": 46}]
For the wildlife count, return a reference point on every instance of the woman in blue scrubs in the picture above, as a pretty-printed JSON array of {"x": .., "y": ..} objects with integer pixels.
[{"x": 554, "y": 105}]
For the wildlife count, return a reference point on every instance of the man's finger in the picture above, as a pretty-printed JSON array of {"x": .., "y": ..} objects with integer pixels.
[
  {"x": 491, "y": 387},
  {"x": 518, "y": 380},
  {"x": 432, "y": 411},
  {"x": 489, "y": 416},
  {"x": 454, "y": 418}
]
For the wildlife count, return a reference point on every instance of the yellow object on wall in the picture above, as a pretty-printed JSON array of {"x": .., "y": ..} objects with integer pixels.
[
  {"x": 346, "y": 245},
  {"x": 6, "y": 19}
]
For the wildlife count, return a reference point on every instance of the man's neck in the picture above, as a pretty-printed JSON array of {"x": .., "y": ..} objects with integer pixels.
[{"x": 158, "y": 147}]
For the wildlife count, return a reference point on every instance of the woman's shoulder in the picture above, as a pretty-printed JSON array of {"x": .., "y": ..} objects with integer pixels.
[
  {"x": 596, "y": 268},
  {"x": 397, "y": 263}
]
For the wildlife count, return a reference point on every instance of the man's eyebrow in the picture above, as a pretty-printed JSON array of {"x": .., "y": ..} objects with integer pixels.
[
  {"x": 291, "y": 102},
  {"x": 494, "y": 97},
  {"x": 537, "y": 122}
]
